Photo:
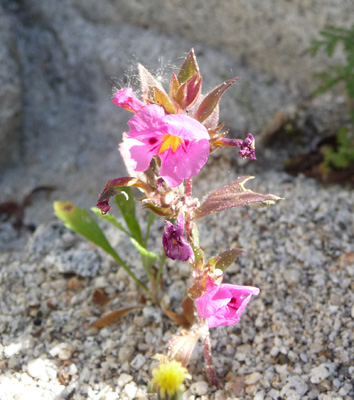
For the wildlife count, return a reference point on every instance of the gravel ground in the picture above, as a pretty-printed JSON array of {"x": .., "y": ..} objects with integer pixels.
[{"x": 295, "y": 340}]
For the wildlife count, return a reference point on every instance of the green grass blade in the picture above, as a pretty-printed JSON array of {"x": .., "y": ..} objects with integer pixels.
[
  {"x": 79, "y": 221},
  {"x": 126, "y": 205}
]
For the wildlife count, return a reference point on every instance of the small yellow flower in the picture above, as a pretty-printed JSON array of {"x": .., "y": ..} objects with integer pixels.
[{"x": 168, "y": 378}]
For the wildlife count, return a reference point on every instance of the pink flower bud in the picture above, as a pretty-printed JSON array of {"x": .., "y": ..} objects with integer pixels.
[{"x": 223, "y": 304}]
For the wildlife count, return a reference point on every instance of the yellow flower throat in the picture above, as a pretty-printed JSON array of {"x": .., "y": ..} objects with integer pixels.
[{"x": 170, "y": 141}]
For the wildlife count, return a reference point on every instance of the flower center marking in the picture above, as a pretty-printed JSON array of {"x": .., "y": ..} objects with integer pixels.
[{"x": 170, "y": 141}]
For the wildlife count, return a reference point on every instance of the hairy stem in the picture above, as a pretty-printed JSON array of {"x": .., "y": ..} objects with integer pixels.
[
  {"x": 188, "y": 192},
  {"x": 209, "y": 367}
]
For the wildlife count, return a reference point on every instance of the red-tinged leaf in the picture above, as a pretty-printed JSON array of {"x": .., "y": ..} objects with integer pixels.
[
  {"x": 179, "y": 318},
  {"x": 227, "y": 257},
  {"x": 112, "y": 317},
  {"x": 182, "y": 346},
  {"x": 189, "y": 92},
  {"x": 181, "y": 96},
  {"x": 189, "y": 67},
  {"x": 111, "y": 188},
  {"x": 174, "y": 85},
  {"x": 194, "y": 88},
  {"x": 147, "y": 84},
  {"x": 210, "y": 102},
  {"x": 163, "y": 100},
  {"x": 232, "y": 195}
]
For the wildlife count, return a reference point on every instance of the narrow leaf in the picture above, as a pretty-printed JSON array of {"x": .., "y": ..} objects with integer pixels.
[
  {"x": 151, "y": 220},
  {"x": 232, "y": 195},
  {"x": 182, "y": 346},
  {"x": 227, "y": 257},
  {"x": 189, "y": 67},
  {"x": 174, "y": 85},
  {"x": 111, "y": 219},
  {"x": 210, "y": 102},
  {"x": 79, "y": 221},
  {"x": 147, "y": 84},
  {"x": 198, "y": 256},
  {"x": 179, "y": 318},
  {"x": 142, "y": 250},
  {"x": 126, "y": 205},
  {"x": 163, "y": 100},
  {"x": 189, "y": 91},
  {"x": 112, "y": 317},
  {"x": 188, "y": 308}
]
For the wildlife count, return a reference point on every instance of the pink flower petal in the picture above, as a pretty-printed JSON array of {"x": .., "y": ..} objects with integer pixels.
[
  {"x": 126, "y": 98},
  {"x": 223, "y": 304}
]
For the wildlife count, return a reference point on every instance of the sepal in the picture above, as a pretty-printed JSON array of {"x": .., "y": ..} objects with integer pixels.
[
  {"x": 189, "y": 67},
  {"x": 211, "y": 101}
]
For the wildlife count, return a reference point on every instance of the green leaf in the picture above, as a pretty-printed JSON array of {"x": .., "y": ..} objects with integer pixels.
[
  {"x": 189, "y": 67},
  {"x": 227, "y": 257},
  {"x": 126, "y": 204},
  {"x": 111, "y": 219},
  {"x": 79, "y": 221},
  {"x": 151, "y": 220},
  {"x": 142, "y": 250},
  {"x": 164, "y": 101},
  {"x": 198, "y": 256}
]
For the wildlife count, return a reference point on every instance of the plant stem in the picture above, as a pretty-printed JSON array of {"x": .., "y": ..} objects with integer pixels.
[
  {"x": 188, "y": 191},
  {"x": 210, "y": 370},
  {"x": 129, "y": 272},
  {"x": 189, "y": 187}
]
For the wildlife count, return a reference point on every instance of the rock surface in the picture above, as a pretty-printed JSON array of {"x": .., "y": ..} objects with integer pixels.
[{"x": 10, "y": 95}]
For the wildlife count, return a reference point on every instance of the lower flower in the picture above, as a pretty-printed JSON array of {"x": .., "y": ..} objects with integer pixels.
[
  {"x": 175, "y": 244},
  {"x": 223, "y": 304}
]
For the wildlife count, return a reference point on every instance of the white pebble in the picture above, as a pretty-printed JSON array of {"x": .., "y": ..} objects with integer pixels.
[
  {"x": 199, "y": 388},
  {"x": 130, "y": 390},
  {"x": 259, "y": 395},
  {"x": 41, "y": 369},
  {"x": 252, "y": 378},
  {"x": 123, "y": 379},
  {"x": 138, "y": 361},
  {"x": 319, "y": 374},
  {"x": 62, "y": 350},
  {"x": 12, "y": 349}
]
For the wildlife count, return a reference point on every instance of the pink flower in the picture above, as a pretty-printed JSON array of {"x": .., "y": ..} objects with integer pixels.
[
  {"x": 181, "y": 142},
  {"x": 175, "y": 244},
  {"x": 126, "y": 98},
  {"x": 223, "y": 304}
]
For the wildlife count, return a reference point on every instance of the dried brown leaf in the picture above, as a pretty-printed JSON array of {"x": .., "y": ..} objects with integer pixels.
[
  {"x": 180, "y": 318},
  {"x": 99, "y": 297},
  {"x": 182, "y": 346},
  {"x": 112, "y": 317}
]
